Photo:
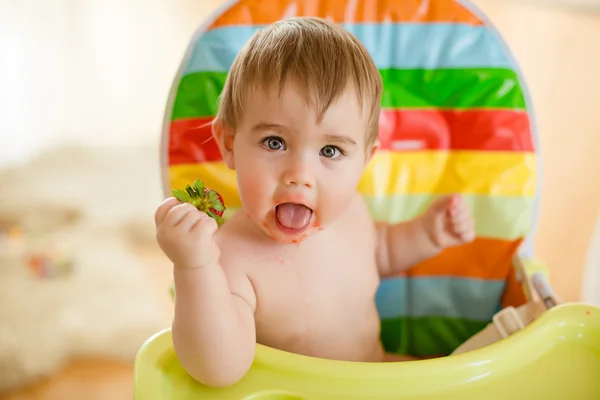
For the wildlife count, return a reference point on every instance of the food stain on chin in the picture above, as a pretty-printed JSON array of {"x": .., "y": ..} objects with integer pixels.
[
  {"x": 274, "y": 236},
  {"x": 315, "y": 224},
  {"x": 300, "y": 239}
]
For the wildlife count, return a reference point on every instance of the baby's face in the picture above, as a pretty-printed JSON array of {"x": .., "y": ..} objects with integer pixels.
[{"x": 295, "y": 174}]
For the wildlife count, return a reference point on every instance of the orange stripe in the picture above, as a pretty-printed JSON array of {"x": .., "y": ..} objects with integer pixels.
[
  {"x": 513, "y": 293},
  {"x": 483, "y": 258},
  {"x": 260, "y": 12}
]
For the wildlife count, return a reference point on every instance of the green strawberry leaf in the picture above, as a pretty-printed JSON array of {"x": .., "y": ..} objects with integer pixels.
[
  {"x": 214, "y": 201},
  {"x": 198, "y": 186},
  {"x": 181, "y": 195},
  {"x": 191, "y": 191},
  {"x": 212, "y": 214},
  {"x": 216, "y": 217},
  {"x": 218, "y": 206}
]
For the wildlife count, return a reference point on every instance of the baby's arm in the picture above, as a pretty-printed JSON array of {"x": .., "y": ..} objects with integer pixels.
[
  {"x": 213, "y": 329},
  {"x": 446, "y": 223}
]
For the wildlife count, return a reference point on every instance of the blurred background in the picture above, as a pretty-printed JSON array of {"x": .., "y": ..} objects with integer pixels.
[{"x": 83, "y": 85}]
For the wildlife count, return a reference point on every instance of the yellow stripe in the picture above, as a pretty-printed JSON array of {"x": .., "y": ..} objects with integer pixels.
[
  {"x": 437, "y": 172},
  {"x": 394, "y": 173}
]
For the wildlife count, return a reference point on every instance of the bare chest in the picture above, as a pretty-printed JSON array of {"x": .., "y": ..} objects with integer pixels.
[{"x": 319, "y": 301}]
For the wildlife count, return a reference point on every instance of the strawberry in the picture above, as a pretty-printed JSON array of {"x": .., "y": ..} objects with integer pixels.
[
  {"x": 204, "y": 199},
  {"x": 220, "y": 205}
]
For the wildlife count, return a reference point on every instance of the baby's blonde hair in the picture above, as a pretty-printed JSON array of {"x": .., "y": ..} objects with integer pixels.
[{"x": 321, "y": 55}]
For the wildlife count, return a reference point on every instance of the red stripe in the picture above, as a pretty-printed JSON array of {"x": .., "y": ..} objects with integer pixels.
[
  {"x": 499, "y": 130},
  {"x": 191, "y": 141}
]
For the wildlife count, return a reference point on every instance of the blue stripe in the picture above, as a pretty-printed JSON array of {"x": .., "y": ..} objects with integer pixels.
[
  {"x": 392, "y": 45},
  {"x": 452, "y": 297}
]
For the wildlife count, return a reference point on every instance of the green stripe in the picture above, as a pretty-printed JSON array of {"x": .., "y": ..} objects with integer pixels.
[
  {"x": 197, "y": 95},
  {"x": 408, "y": 88},
  {"x": 505, "y": 218},
  {"x": 426, "y": 336},
  {"x": 452, "y": 88}
]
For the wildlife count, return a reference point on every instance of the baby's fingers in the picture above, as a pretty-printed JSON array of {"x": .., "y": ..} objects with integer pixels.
[
  {"x": 176, "y": 214},
  {"x": 205, "y": 224},
  {"x": 457, "y": 206},
  {"x": 164, "y": 208},
  {"x": 189, "y": 220},
  {"x": 442, "y": 204},
  {"x": 464, "y": 228},
  {"x": 459, "y": 214}
]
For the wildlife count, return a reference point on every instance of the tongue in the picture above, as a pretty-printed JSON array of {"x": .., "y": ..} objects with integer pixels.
[{"x": 293, "y": 216}]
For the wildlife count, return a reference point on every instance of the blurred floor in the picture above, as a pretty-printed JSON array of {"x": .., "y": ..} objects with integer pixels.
[
  {"x": 98, "y": 379},
  {"x": 83, "y": 379}
]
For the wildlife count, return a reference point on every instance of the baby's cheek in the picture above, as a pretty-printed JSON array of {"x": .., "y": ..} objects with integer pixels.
[
  {"x": 335, "y": 202},
  {"x": 253, "y": 190}
]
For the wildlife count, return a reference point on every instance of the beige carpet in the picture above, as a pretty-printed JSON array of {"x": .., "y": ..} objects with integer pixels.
[{"x": 96, "y": 206}]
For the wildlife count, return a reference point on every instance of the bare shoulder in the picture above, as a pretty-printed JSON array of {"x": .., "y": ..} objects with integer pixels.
[
  {"x": 361, "y": 222},
  {"x": 234, "y": 261}
]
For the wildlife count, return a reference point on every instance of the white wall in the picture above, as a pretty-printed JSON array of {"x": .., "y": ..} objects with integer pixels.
[
  {"x": 92, "y": 71},
  {"x": 576, "y": 4}
]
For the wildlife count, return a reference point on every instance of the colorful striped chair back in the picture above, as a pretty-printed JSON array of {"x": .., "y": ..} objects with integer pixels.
[{"x": 455, "y": 119}]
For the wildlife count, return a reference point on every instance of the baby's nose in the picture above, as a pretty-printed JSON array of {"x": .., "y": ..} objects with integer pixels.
[{"x": 299, "y": 175}]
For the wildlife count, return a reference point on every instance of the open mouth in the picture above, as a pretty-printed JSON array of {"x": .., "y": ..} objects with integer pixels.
[{"x": 293, "y": 218}]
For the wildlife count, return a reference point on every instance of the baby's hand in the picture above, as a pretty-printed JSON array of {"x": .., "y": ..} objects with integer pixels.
[
  {"x": 448, "y": 222},
  {"x": 185, "y": 234}
]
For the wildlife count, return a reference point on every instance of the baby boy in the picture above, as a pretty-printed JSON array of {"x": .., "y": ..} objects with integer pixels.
[{"x": 298, "y": 266}]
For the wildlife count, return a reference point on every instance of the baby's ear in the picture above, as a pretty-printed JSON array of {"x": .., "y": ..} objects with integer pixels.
[
  {"x": 371, "y": 150},
  {"x": 224, "y": 137}
]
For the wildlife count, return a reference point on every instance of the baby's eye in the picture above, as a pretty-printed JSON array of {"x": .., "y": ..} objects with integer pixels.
[
  {"x": 331, "y": 151},
  {"x": 273, "y": 143}
]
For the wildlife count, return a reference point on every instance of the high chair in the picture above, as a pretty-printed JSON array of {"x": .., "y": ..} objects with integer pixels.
[{"x": 456, "y": 118}]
